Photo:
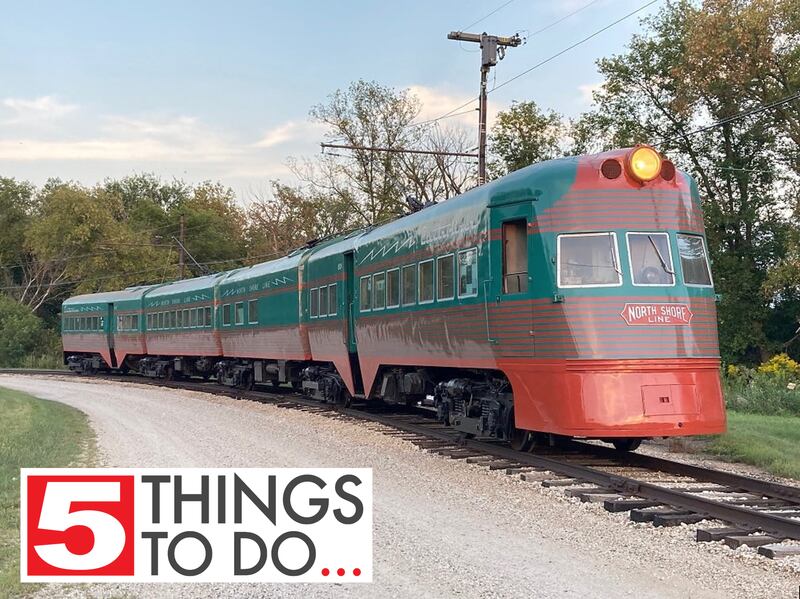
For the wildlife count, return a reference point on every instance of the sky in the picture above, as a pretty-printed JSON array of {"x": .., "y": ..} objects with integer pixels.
[{"x": 199, "y": 90}]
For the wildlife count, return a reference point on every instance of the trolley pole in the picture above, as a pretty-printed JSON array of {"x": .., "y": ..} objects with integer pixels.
[{"x": 492, "y": 48}]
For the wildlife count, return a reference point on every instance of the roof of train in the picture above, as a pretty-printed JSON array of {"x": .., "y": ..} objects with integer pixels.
[
  {"x": 263, "y": 268},
  {"x": 130, "y": 293},
  {"x": 195, "y": 284}
]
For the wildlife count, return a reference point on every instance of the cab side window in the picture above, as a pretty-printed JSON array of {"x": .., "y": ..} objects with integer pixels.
[{"x": 515, "y": 256}]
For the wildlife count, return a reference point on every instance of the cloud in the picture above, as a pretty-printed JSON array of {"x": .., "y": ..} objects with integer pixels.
[
  {"x": 436, "y": 102},
  {"x": 178, "y": 139},
  {"x": 587, "y": 92},
  {"x": 291, "y": 131},
  {"x": 37, "y": 109}
]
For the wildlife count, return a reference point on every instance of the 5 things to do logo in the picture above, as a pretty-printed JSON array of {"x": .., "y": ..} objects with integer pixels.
[{"x": 196, "y": 525}]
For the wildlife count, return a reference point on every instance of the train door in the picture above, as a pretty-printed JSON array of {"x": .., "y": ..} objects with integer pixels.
[
  {"x": 109, "y": 328},
  {"x": 350, "y": 314},
  {"x": 509, "y": 312}
]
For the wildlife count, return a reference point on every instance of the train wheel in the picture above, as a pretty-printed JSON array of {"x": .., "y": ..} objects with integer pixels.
[
  {"x": 345, "y": 399},
  {"x": 519, "y": 439},
  {"x": 626, "y": 444}
]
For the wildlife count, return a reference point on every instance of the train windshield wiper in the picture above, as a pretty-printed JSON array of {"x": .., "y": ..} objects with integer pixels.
[
  {"x": 660, "y": 257},
  {"x": 613, "y": 253}
]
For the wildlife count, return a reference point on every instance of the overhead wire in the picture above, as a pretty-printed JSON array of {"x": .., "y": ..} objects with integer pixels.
[
  {"x": 741, "y": 115},
  {"x": 482, "y": 19},
  {"x": 451, "y": 113},
  {"x": 576, "y": 44}
]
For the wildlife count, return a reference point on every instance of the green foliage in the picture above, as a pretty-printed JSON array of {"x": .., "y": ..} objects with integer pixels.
[
  {"x": 34, "y": 433},
  {"x": 214, "y": 223},
  {"x": 524, "y": 135},
  {"x": 769, "y": 442},
  {"x": 16, "y": 201},
  {"x": 22, "y": 334}
]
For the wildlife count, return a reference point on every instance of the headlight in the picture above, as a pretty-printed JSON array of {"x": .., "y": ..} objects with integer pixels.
[{"x": 644, "y": 164}]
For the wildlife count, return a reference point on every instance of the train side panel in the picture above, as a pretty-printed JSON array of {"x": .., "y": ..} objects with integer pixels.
[
  {"x": 258, "y": 316},
  {"x": 328, "y": 309},
  {"x": 401, "y": 317},
  {"x": 179, "y": 318},
  {"x": 85, "y": 327}
]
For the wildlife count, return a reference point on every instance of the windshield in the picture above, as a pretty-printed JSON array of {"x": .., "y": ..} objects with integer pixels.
[
  {"x": 694, "y": 261},
  {"x": 651, "y": 260},
  {"x": 588, "y": 260}
]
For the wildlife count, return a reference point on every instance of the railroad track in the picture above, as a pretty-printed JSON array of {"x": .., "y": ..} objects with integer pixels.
[{"x": 739, "y": 510}]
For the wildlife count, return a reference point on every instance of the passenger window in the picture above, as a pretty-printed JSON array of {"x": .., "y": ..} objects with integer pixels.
[
  {"x": 426, "y": 282},
  {"x": 314, "y": 302},
  {"x": 409, "y": 284},
  {"x": 193, "y": 317},
  {"x": 173, "y": 319},
  {"x": 446, "y": 275},
  {"x": 226, "y": 315},
  {"x": 333, "y": 305},
  {"x": 186, "y": 318},
  {"x": 208, "y": 315},
  {"x": 323, "y": 301},
  {"x": 515, "y": 256},
  {"x": 160, "y": 320},
  {"x": 180, "y": 319},
  {"x": 694, "y": 261},
  {"x": 379, "y": 291},
  {"x": 252, "y": 311},
  {"x": 239, "y": 312},
  {"x": 588, "y": 260},
  {"x": 135, "y": 322},
  {"x": 651, "y": 262},
  {"x": 393, "y": 288},
  {"x": 365, "y": 294},
  {"x": 468, "y": 272}
]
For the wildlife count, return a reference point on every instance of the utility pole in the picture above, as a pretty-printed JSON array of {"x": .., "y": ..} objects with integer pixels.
[
  {"x": 182, "y": 244},
  {"x": 493, "y": 47}
]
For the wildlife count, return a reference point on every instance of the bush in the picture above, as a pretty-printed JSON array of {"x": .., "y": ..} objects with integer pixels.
[
  {"x": 772, "y": 389},
  {"x": 780, "y": 366},
  {"x": 23, "y": 335}
]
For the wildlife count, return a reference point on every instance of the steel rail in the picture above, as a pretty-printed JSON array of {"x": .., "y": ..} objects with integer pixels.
[{"x": 729, "y": 479}]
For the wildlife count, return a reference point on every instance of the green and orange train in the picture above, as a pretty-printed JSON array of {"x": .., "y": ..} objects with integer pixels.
[{"x": 573, "y": 297}]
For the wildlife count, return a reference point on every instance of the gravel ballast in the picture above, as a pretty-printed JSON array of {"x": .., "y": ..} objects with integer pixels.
[{"x": 442, "y": 528}]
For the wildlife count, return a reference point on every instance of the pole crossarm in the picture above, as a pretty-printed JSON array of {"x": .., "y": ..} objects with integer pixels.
[{"x": 398, "y": 150}]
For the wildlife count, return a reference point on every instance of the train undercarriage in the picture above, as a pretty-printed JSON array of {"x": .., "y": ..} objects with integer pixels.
[{"x": 474, "y": 402}]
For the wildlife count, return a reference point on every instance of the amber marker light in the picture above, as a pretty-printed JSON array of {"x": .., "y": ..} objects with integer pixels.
[{"x": 643, "y": 164}]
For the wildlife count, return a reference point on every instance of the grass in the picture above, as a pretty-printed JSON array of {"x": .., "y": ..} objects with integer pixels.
[
  {"x": 33, "y": 433},
  {"x": 769, "y": 442}
]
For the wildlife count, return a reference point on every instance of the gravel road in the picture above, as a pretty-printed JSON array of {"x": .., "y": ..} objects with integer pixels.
[{"x": 443, "y": 528}]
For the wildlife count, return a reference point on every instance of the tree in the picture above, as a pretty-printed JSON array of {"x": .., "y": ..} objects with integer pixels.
[
  {"x": 215, "y": 226},
  {"x": 286, "y": 219},
  {"x": 75, "y": 242},
  {"x": 374, "y": 186},
  {"x": 145, "y": 200},
  {"x": 524, "y": 135},
  {"x": 21, "y": 333}
]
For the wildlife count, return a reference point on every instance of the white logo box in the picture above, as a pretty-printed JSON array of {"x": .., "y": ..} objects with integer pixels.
[{"x": 298, "y": 524}]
